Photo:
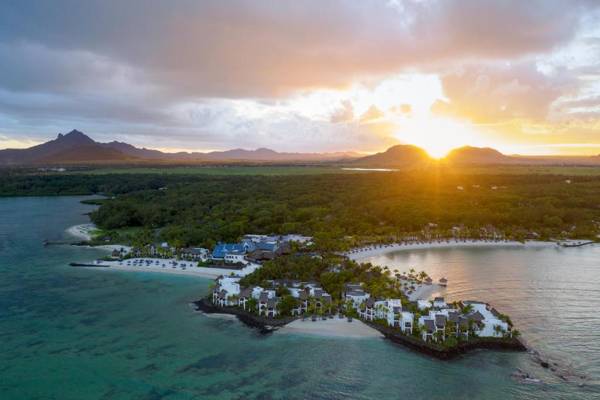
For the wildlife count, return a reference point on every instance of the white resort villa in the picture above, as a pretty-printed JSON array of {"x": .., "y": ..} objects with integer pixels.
[{"x": 437, "y": 322}]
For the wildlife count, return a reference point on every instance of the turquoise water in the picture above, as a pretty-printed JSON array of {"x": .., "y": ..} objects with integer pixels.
[{"x": 68, "y": 333}]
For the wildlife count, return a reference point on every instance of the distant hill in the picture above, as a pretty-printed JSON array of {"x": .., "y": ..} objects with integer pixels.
[
  {"x": 264, "y": 154},
  {"x": 77, "y": 148},
  {"x": 91, "y": 153},
  {"x": 399, "y": 156},
  {"x": 477, "y": 155},
  {"x": 133, "y": 151},
  {"x": 74, "y": 147}
]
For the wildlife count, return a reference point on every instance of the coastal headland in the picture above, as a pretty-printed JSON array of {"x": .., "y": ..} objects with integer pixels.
[
  {"x": 267, "y": 286},
  {"x": 340, "y": 327}
]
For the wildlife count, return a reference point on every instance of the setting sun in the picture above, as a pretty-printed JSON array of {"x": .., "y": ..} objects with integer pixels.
[{"x": 437, "y": 135}]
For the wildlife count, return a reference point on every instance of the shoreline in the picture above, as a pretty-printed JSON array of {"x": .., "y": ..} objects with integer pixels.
[
  {"x": 425, "y": 292},
  {"x": 362, "y": 329},
  {"x": 360, "y": 253},
  {"x": 446, "y": 354},
  {"x": 82, "y": 231},
  {"x": 332, "y": 328},
  {"x": 190, "y": 270},
  {"x": 263, "y": 324}
]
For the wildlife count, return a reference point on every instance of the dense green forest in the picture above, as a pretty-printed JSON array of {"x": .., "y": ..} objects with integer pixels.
[
  {"x": 345, "y": 210},
  {"x": 340, "y": 210},
  {"x": 79, "y": 184}
]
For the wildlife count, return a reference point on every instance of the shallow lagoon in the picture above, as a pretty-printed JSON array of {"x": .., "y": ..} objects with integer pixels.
[{"x": 86, "y": 334}]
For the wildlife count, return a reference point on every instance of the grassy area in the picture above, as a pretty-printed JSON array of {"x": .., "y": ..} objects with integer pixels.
[
  {"x": 286, "y": 170},
  {"x": 118, "y": 236},
  {"x": 534, "y": 170},
  {"x": 219, "y": 170}
]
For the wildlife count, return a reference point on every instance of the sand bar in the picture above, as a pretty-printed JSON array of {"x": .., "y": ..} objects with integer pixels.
[
  {"x": 171, "y": 266},
  {"x": 83, "y": 231},
  {"x": 335, "y": 327},
  {"x": 377, "y": 250}
]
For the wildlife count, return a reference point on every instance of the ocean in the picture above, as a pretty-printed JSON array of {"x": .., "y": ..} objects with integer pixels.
[{"x": 76, "y": 333}]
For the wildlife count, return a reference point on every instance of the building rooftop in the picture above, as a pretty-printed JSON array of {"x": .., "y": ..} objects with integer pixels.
[
  {"x": 440, "y": 321},
  {"x": 429, "y": 325}
]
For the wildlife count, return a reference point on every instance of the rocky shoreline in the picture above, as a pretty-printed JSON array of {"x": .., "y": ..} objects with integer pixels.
[
  {"x": 268, "y": 325},
  {"x": 444, "y": 353},
  {"x": 263, "y": 324}
]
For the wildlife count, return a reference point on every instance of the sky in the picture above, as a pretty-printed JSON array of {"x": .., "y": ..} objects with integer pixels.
[{"x": 310, "y": 76}]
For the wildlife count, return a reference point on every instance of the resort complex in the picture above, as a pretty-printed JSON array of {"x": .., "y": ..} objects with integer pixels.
[
  {"x": 431, "y": 321},
  {"x": 271, "y": 280}
]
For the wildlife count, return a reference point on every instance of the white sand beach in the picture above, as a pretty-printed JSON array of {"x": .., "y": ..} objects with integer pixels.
[
  {"x": 218, "y": 316},
  {"x": 426, "y": 292},
  {"x": 335, "y": 327},
  {"x": 361, "y": 253},
  {"x": 171, "y": 266},
  {"x": 83, "y": 231},
  {"x": 111, "y": 247}
]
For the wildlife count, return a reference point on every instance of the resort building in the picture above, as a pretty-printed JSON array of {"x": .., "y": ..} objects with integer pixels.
[
  {"x": 367, "y": 310},
  {"x": 231, "y": 284},
  {"x": 440, "y": 326},
  {"x": 423, "y": 304},
  {"x": 354, "y": 293},
  {"x": 322, "y": 299},
  {"x": 263, "y": 302},
  {"x": 221, "y": 250},
  {"x": 245, "y": 295},
  {"x": 195, "y": 254},
  {"x": 280, "y": 239},
  {"x": 459, "y": 324},
  {"x": 406, "y": 323},
  {"x": 428, "y": 330},
  {"x": 439, "y": 303},
  {"x": 235, "y": 258},
  {"x": 486, "y": 320}
]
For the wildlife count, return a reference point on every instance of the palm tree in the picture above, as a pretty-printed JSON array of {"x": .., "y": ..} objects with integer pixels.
[{"x": 498, "y": 329}]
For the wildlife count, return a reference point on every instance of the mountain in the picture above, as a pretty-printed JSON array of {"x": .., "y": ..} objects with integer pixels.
[
  {"x": 77, "y": 148},
  {"x": 399, "y": 156},
  {"x": 478, "y": 155},
  {"x": 264, "y": 154},
  {"x": 133, "y": 151},
  {"x": 85, "y": 154},
  {"x": 74, "y": 147}
]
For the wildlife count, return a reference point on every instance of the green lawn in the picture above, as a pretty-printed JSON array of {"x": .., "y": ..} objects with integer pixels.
[
  {"x": 330, "y": 169},
  {"x": 534, "y": 170}
]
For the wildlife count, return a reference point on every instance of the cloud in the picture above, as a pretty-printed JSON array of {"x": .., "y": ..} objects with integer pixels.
[
  {"x": 495, "y": 93},
  {"x": 250, "y": 49},
  {"x": 373, "y": 114},
  {"x": 344, "y": 114},
  {"x": 216, "y": 74}
]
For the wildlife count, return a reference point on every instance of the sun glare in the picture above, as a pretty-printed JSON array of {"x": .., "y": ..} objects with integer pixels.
[{"x": 437, "y": 135}]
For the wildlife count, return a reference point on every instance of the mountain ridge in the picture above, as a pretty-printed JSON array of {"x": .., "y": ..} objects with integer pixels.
[
  {"x": 76, "y": 147},
  {"x": 63, "y": 149}
]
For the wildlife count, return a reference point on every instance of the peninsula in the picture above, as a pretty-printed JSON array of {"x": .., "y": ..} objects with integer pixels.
[{"x": 270, "y": 281}]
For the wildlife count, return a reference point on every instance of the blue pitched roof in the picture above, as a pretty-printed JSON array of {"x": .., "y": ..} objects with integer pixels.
[
  {"x": 266, "y": 246},
  {"x": 222, "y": 249}
]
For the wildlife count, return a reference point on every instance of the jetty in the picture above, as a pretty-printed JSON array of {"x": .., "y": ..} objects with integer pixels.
[
  {"x": 88, "y": 265},
  {"x": 61, "y": 243},
  {"x": 575, "y": 244}
]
